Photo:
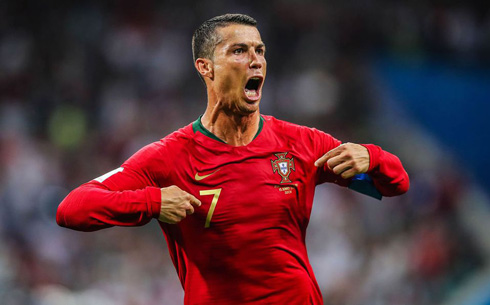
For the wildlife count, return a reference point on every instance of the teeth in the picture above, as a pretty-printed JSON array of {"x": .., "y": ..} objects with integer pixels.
[{"x": 250, "y": 92}]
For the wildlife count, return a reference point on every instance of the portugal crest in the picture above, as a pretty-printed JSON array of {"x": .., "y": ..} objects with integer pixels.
[{"x": 283, "y": 166}]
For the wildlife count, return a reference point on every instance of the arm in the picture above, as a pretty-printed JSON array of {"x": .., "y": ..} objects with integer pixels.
[
  {"x": 93, "y": 206},
  {"x": 387, "y": 172},
  {"x": 127, "y": 196},
  {"x": 348, "y": 160}
]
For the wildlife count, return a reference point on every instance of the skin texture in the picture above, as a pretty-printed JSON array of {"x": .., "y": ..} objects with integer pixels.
[
  {"x": 230, "y": 114},
  {"x": 176, "y": 204},
  {"x": 234, "y": 117},
  {"x": 347, "y": 160}
]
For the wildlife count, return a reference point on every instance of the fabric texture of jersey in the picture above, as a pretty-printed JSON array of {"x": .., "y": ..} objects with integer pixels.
[{"x": 246, "y": 243}]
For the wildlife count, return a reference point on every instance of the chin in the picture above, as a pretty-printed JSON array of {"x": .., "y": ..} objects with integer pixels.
[{"x": 249, "y": 108}]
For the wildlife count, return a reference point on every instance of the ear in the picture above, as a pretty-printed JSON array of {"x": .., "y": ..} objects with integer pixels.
[{"x": 205, "y": 67}]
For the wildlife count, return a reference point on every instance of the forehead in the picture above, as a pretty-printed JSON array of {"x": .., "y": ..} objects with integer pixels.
[{"x": 239, "y": 33}]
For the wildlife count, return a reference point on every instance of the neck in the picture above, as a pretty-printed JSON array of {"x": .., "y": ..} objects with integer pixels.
[{"x": 233, "y": 129}]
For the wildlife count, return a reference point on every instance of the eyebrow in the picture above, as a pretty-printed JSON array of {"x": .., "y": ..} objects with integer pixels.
[{"x": 244, "y": 45}]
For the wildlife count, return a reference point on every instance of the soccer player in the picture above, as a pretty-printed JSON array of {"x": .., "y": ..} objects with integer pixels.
[{"x": 232, "y": 191}]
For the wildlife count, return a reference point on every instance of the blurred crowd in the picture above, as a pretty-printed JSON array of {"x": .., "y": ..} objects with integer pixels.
[{"x": 84, "y": 84}]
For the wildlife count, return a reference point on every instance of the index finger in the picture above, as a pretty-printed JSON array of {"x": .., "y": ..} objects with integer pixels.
[{"x": 329, "y": 154}]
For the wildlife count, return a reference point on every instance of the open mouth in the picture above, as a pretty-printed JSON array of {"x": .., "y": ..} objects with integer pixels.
[{"x": 252, "y": 88}]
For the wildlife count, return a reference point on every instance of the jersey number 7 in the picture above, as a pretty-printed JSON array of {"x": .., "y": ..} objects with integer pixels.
[{"x": 215, "y": 193}]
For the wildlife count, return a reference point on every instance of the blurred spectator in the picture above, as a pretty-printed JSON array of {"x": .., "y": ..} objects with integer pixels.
[{"x": 85, "y": 84}]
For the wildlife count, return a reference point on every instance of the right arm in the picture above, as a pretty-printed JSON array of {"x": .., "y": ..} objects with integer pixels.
[
  {"x": 92, "y": 206},
  {"x": 128, "y": 196}
]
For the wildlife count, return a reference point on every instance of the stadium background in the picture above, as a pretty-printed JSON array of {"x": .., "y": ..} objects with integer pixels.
[{"x": 84, "y": 84}]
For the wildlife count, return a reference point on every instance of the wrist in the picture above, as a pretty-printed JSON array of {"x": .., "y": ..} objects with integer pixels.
[
  {"x": 373, "y": 152},
  {"x": 154, "y": 201}
]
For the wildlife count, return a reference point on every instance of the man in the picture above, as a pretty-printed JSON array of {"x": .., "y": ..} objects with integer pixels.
[{"x": 232, "y": 191}]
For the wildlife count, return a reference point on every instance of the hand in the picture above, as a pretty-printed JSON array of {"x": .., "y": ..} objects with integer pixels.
[
  {"x": 176, "y": 204},
  {"x": 347, "y": 160}
]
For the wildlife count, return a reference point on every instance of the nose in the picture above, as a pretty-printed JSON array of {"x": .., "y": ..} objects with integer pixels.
[{"x": 256, "y": 62}]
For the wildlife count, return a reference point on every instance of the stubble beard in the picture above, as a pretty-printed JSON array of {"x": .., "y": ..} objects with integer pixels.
[{"x": 237, "y": 105}]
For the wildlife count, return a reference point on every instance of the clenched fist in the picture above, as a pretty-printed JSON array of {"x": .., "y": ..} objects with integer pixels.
[
  {"x": 346, "y": 160},
  {"x": 176, "y": 204}
]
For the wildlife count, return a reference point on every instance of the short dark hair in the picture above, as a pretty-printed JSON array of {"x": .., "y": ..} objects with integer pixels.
[{"x": 205, "y": 38}]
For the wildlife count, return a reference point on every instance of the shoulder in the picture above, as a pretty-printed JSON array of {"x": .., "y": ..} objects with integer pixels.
[
  {"x": 279, "y": 126},
  {"x": 164, "y": 148},
  {"x": 288, "y": 129},
  {"x": 301, "y": 138},
  {"x": 179, "y": 137}
]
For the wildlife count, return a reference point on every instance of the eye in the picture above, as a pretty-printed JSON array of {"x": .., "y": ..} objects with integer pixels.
[
  {"x": 238, "y": 51},
  {"x": 260, "y": 51}
]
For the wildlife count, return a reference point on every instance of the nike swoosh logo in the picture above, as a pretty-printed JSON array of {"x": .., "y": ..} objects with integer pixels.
[{"x": 199, "y": 178}]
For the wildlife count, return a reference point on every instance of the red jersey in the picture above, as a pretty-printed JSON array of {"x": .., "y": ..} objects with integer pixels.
[{"x": 246, "y": 243}]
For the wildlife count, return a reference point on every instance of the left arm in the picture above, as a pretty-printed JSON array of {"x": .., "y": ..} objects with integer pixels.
[{"x": 350, "y": 159}]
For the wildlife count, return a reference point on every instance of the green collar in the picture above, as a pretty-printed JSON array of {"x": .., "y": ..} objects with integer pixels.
[{"x": 197, "y": 126}]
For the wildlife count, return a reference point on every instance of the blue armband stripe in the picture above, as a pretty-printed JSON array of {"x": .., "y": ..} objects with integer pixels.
[{"x": 363, "y": 184}]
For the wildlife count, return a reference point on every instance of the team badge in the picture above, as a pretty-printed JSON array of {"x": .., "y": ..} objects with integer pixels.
[{"x": 283, "y": 166}]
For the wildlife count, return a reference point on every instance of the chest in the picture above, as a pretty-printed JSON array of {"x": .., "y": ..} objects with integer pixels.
[{"x": 246, "y": 190}]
